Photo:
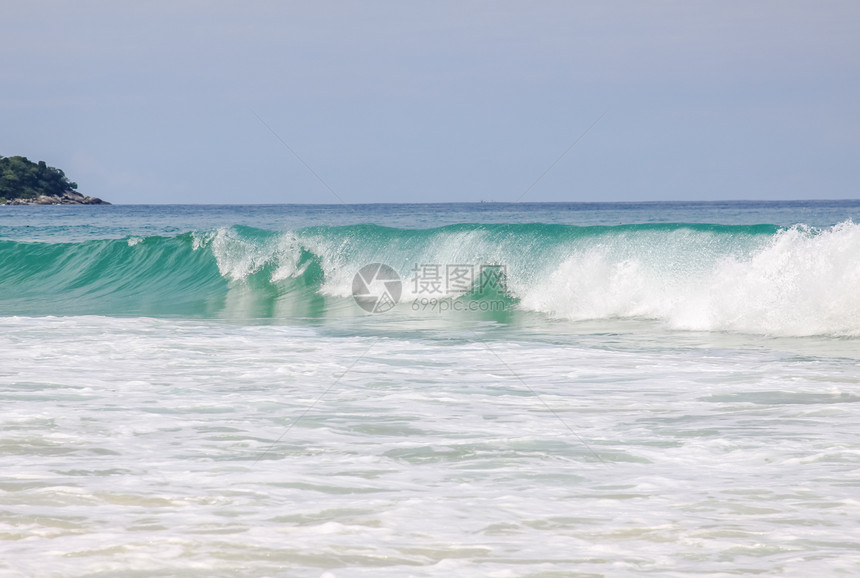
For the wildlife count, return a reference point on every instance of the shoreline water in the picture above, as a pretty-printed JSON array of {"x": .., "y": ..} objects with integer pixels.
[{"x": 195, "y": 392}]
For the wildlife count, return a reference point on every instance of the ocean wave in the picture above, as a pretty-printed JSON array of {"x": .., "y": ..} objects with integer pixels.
[
  {"x": 798, "y": 281},
  {"x": 758, "y": 279}
]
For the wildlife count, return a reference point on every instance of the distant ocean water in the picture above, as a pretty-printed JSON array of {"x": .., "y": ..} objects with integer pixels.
[{"x": 606, "y": 389}]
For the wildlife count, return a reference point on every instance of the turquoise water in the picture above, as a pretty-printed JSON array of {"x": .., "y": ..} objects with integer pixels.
[
  {"x": 656, "y": 388},
  {"x": 63, "y": 223}
]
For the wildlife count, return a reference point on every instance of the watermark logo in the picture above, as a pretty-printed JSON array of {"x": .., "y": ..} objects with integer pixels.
[
  {"x": 430, "y": 279},
  {"x": 376, "y": 288}
]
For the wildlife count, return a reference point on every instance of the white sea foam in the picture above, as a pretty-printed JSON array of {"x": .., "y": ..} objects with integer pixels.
[
  {"x": 238, "y": 257},
  {"x": 801, "y": 282},
  {"x": 797, "y": 282},
  {"x": 168, "y": 447}
]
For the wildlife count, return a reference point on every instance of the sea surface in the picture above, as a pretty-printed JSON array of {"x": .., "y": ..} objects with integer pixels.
[{"x": 475, "y": 390}]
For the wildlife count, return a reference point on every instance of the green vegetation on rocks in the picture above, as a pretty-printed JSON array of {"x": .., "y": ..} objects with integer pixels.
[{"x": 23, "y": 182}]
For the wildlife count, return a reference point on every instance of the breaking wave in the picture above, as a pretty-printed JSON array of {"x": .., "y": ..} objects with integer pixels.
[{"x": 758, "y": 279}]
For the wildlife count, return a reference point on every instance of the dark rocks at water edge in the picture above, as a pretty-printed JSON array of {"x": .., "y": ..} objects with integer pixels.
[
  {"x": 64, "y": 198},
  {"x": 23, "y": 182}
]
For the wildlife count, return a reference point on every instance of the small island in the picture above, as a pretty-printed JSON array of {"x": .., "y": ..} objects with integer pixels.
[{"x": 23, "y": 182}]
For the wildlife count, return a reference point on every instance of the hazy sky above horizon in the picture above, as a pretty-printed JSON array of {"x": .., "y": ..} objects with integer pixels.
[{"x": 157, "y": 102}]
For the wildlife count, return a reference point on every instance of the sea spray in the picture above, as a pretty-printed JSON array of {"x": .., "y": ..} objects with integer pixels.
[{"x": 759, "y": 279}]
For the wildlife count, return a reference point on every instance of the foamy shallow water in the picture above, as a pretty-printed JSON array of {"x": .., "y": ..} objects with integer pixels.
[{"x": 141, "y": 447}]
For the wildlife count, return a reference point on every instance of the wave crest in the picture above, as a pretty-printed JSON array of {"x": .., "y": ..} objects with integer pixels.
[
  {"x": 753, "y": 279},
  {"x": 799, "y": 281}
]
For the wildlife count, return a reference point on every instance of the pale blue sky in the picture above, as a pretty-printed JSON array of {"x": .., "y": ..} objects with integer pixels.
[{"x": 394, "y": 101}]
